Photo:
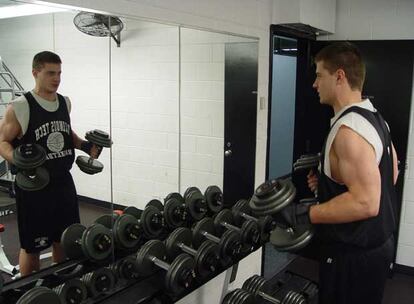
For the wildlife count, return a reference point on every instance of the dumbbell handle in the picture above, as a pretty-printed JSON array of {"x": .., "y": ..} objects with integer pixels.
[
  {"x": 210, "y": 237},
  {"x": 268, "y": 298},
  {"x": 160, "y": 263},
  {"x": 230, "y": 226},
  {"x": 187, "y": 249},
  {"x": 248, "y": 217}
]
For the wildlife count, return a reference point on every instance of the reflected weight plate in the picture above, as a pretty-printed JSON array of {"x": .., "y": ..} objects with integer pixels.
[
  {"x": 224, "y": 216},
  {"x": 179, "y": 235},
  {"x": 72, "y": 291},
  {"x": 126, "y": 230},
  {"x": 180, "y": 275},
  {"x": 70, "y": 241},
  {"x": 152, "y": 222},
  {"x": 207, "y": 225},
  {"x": 156, "y": 203},
  {"x": 152, "y": 248},
  {"x": 99, "y": 281},
  {"x": 214, "y": 198},
  {"x": 105, "y": 220},
  {"x": 97, "y": 242},
  {"x": 99, "y": 138},
  {"x": 190, "y": 190},
  {"x": 34, "y": 182},
  {"x": 134, "y": 211},
  {"x": 174, "y": 195},
  {"x": 89, "y": 165},
  {"x": 39, "y": 295},
  {"x": 174, "y": 213},
  {"x": 291, "y": 240},
  {"x": 207, "y": 258},
  {"x": 196, "y": 205}
]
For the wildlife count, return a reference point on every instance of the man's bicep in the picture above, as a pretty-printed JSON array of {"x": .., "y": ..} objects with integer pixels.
[
  {"x": 357, "y": 164},
  {"x": 9, "y": 126}
]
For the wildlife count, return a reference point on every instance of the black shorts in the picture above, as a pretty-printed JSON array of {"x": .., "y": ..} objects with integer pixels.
[
  {"x": 43, "y": 215},
  {"x": 355, "y": 276}
]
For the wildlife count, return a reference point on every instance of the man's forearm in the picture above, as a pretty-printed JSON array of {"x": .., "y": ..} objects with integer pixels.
[
  {"x": 6, "y": 151},
  {"x": 343, "y": 208},
  {"x": 77, "y": 141}
]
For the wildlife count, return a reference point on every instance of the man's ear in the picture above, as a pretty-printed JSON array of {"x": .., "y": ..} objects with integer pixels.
[{"x": 340, "y": 75}]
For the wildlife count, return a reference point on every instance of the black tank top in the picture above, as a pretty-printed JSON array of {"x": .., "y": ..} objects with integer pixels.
[
  {"x": 374, "y": 231},
  {"x": 51, "y": 130}
]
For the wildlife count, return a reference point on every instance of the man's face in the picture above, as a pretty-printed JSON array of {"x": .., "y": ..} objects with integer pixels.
[
  {"x": 48, "y": 77},
  {"x": 325, "y": 84}
]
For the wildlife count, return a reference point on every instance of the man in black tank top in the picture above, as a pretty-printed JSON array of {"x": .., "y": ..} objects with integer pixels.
[
  {"x": 355, "y": 219},
  {"x": 43, "y": 215}
]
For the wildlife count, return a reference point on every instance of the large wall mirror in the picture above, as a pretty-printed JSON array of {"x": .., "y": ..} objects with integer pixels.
[
  {"x": 159, "y": 91},
  {"x": 84, "y": 79}
]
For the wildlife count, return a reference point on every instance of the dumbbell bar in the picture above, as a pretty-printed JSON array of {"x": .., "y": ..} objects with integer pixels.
[
  {"x": 249, "y": 231},
  {"x": 255, "y": 284},
  {"x": 242, "y": 212},
  {"x": 180, "y": 273},
  {"x": 229, "y": 245},
  {"x": 206, "y": 256}
]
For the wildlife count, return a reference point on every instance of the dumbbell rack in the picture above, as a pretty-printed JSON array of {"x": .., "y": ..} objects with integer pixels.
[{"x": 141, "y": 290}]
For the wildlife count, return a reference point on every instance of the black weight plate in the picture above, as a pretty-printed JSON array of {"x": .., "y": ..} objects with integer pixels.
[
  {"x": 250, "y": 235},
  {"x": 180, "y": 275},
  {"x": 152, "y": 248},
  {"x": 207, "y": 258},
  {"x": 190, "y": 190},
  {"x": 174, "y": 195},
  {"x": 89, "y": 165},
  {"x": 214, "y": 198},
  {"x": 196, "y": 205},
  {"x": 205, "y": 225},
  {"x": 179, "y": 235},
  {"x": 152, "y": 222},
  {"x": 105, "y": 220},
  {"x": 99, "y": 281},
  {"x": 224, "y": 216},
  {"x": 72, "y": 291},
  {"x": 29, "y": 156},
  {"x": 134, "y": 211},
  {"x": 240, "y": 208},
  {"x": 275, "y": 203},
  {"x": 99, "y": 137},
  {"x": 156, "y": 203},
  {"x": 254, "y": 284},
  {"x": 267, "y": 188},
  {"x": 289, "y": 239},
  {"x": 35, "y": 182},
  {"x": 39, "y": 295},
  {"x": 174, "y": 213},
  {"x": 70, "y": 239},
  {"x": 125, "y": 269},
  {"x": 97, "y": 242},
  {"x": 273, "y": 198},
  {"x": 127, "y": 232},
  {"x": 230, "y": 245}
]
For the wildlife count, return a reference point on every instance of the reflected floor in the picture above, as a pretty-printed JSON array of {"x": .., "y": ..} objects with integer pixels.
[{"x": 10, "y": 237}]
